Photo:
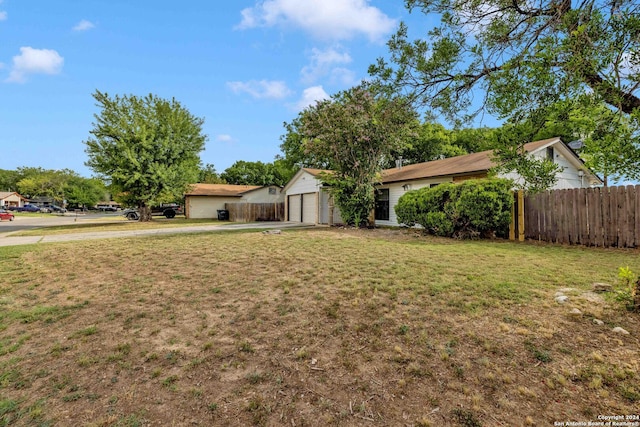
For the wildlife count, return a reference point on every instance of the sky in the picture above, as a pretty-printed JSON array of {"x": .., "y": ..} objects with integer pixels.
[{"x": 245, "y": 66}]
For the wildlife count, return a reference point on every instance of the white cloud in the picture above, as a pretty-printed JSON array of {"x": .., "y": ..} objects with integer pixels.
[
  {"x": 83, "y": 25},
  {"x": 269, "y": 89},
  {"x": 34, "y": 61},
  {"x": 322, "y": 63},
  {"x": 325, "y": 19},
  {"x": 224, "y": 138},
  {"x": 3, "y": 15},
  {"x": 310, "y": 96}
]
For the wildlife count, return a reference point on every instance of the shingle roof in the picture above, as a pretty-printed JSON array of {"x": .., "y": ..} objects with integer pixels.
[
  {"x": 469, "y": 163},
  {"x": 228, "y": 190},
  {"x": 316, "y": 172},
  {"x": 5, "y": 194}
]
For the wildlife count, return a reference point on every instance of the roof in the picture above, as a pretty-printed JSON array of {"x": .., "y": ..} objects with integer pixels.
[
  {"x": 459, "y": 165},
  {"x": 316, "y": 172},
  {"x": 228, "y": 190},
  {"x": 5, "y": 194}
]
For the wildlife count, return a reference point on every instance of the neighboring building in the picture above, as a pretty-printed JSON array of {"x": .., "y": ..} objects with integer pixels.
[
  {"x": 306, "y": 187},
  {"x": 11, "y": 198},
  {"x": 204, "y": 200},
  {"x": 42, "y": 201}
]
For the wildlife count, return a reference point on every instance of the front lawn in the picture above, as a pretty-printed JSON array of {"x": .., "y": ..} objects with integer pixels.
[
  {"x": 116, "y": 224},
  {"x": 312, "y": 328}
]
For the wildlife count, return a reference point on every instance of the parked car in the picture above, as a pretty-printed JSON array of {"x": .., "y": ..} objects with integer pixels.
[
  {"x": 6, "y": 215},
  {"x": 56, "y": 208},
  {"x": 25, "y": 208},
  {"x": 107, "y": 208}
]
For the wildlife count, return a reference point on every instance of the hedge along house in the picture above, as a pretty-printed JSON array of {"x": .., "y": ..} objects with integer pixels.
[
  {"x": 11, "y": 199},
  {"x": 204, "y": 200},
  {"x": 397, "y": 181}
]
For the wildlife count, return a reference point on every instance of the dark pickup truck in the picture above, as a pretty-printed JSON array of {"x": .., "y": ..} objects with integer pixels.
[{"x": 168, "y": 210}]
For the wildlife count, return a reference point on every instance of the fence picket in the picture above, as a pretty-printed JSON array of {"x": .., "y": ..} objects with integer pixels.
[
  {"x": 249, "y": 212},
  {"x": 604, "y": 217}
]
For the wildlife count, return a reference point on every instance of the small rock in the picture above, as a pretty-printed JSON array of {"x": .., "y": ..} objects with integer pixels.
[
  {"x": 598, "y": 322},
  {"x": 602, "y": 287},
  {"x": 565, "y": 290},
  {"x": 562, "y": 299},
  {"x": 619, "y": 330},
  {"x": 272, "y": 232},
  {"x": 558, "y": 294},
  {"x": 314, "y": 361},
  {"x": 575, "y": 312},
  {"x": 592, "y": 297}
]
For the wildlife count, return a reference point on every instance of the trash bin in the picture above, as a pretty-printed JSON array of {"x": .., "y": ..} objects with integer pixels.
[{"x": 223, "y": 215}]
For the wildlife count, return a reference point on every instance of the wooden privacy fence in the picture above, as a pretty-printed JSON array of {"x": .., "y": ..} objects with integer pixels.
[
  {"x": 249, "y": 212},
  {"x": 605, "y": 217}
]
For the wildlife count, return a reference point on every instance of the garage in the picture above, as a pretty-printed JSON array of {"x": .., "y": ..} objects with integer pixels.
[
  {"x": 309, "y": 208},
  {"x": 295, "y": 207}
]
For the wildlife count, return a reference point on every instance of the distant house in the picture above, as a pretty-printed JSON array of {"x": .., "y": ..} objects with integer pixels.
[
  {"x": 307, "y": 190},
  {"x": 10, "y": 199},
  {"x": 204, "y": 200},
  {"x": 42, "y": 201}
]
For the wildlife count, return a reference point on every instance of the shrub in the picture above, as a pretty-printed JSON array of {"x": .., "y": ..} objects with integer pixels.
[{"x": 470, "y": 209}]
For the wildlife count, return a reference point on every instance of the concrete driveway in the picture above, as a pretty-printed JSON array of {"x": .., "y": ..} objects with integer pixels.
[{"x": 24, "y": 223}]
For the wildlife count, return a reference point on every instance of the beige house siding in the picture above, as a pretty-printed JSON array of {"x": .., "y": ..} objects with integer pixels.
[
  {"x": 199, "y": 207},
  {"x": 263, "y": 195},
  {"x": 11, "y": 199}
]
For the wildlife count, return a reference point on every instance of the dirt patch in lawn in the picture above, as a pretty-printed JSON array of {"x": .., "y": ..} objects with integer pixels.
[{"x": 311, "y": 328}]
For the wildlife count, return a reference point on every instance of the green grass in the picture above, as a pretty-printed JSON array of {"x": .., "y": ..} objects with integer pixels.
[{"x": 311, "y": 327}]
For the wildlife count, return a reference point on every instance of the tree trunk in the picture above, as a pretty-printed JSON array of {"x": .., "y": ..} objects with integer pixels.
[{"x": 145, "y": 213}]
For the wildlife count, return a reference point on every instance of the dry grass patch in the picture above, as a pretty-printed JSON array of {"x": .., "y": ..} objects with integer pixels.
[
  {"x": 311, "y": 327},
  {"x": 116, "y": 224}
]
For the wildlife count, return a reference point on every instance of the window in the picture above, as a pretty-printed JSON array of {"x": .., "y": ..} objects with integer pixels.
[
  {"x": 272, "y": 190},
  {"x": 550, "y": 154},
  {"x": 382, "y": 204}
]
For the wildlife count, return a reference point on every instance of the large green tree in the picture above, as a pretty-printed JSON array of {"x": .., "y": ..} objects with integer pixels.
[
  {"x": 9, "y": 180},
  {"x": 258, "y": 173},
  {"x": 514, "y": 54},
  {"x": 146, "y": 147},
  {"x": 208, "y": 175},
  {"x": 356, "y": 130},
  {"x": 83, "y": 192},
  {"x": 515, "y": 59}
]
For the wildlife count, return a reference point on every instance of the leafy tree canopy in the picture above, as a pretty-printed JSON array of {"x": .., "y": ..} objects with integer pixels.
[
  {"x": 355, "y": 131},
  {"x": 208, "y": 175},
  {"x": 519, "y": 60},
  {"x": 258, "y": 173},
  {"x": 146, "y": 147},
  {"x": 518, "y": 54},
  {"x": 84, "y": 192}
]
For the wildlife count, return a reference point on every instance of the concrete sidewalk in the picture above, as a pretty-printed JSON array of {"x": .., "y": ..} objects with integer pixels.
[{"x": 6, "y": 239}]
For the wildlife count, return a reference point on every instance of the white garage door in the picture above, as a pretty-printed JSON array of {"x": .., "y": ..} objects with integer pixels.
[
  {"x": 309, "y": 208},
  {"x": 295, "y": 208}
]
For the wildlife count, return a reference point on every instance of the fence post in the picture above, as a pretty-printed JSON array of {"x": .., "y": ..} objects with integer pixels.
[
  {"x": 512, "y": 224},
  {"x": 521, "y": 215}
]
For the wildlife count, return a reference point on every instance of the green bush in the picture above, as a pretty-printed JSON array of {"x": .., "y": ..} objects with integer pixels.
[{"x": 474, "y": 208}]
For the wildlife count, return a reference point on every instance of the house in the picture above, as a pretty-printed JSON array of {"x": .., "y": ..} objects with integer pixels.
[
  {"x": 10, "y": 199},
  {"x": 204, "y": 200},
  {"x": 397, "y": 181},
  {"x": 307, "y": 199}
]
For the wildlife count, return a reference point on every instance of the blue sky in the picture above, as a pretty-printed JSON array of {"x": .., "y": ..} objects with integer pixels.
[{"x": 246, "y": 66}]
